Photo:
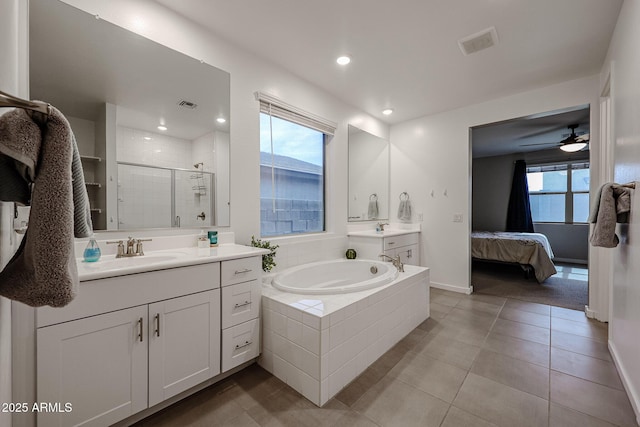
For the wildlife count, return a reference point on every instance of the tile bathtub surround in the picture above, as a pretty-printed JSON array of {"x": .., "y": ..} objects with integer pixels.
[
  {"x": 319, "y": 344},
  {"x": 437, "y": 376}
]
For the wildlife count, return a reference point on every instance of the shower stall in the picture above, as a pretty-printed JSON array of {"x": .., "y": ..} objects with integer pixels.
[{"x": 158, "y": 197}]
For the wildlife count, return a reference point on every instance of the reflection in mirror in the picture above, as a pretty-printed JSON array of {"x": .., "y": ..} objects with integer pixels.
[
  {"x": 368, "y": 176},
  {"x": 116, "y": 88}
]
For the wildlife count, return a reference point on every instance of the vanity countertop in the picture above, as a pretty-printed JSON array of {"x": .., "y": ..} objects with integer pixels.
[
  {"x": 109, "y": 266},
  {"x": 380, "y": 234}
]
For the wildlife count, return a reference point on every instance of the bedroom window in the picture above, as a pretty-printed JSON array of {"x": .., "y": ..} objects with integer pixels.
[
  {"x": 292, "y": 169},
  {"x": 559, "y": 193}
]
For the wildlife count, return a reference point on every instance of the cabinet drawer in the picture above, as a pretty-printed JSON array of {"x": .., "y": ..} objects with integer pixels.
[
  {"x": 240, "y": 343},
  {"x": 240, "y": 270},
  {"x": 402, "y": 240},
  {"x": 240, "y": 303}
]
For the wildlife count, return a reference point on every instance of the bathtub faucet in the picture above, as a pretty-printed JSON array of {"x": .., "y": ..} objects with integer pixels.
[{"x": 397, "y": 262}]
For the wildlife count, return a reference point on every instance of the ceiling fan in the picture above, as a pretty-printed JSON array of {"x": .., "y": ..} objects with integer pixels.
[{"x": 571, "y": 143}]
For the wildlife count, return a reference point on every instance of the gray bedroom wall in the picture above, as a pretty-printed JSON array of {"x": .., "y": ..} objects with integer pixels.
[{"x": 491, "y": 185}]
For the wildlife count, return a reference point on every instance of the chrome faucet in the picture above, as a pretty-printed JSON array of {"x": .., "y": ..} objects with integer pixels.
[
  {"x": 397, "y": 262},
  {"x": 134, "y": 247},
  {"x": 381, "y": 225}
]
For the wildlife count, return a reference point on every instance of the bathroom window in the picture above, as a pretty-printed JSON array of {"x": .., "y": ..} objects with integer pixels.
[
  {"x": 559, "y": 193},
  {"x": 292, "y": 171}
]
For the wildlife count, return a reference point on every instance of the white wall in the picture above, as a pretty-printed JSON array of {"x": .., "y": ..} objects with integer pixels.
[
  {"x": 12, "y": 80},
  {"x": 432, "y": 153},
  {"x": 624, "y": 327}
]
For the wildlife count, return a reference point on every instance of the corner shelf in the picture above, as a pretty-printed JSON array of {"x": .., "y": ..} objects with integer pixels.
[
  {"x": 98, "y": 211},
  {"x": 93, "y": 184}
]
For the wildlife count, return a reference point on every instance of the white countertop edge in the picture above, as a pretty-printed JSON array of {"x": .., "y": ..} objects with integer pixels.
[
  {"x": 381, "y": 234},
  {"x": 192, "y": 256}
]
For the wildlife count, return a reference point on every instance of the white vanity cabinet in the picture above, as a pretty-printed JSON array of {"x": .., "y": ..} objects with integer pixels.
[
  {"x": 97, "y": 364},
  {"x": 241, "y": 293},
  {"x": 184, "y": 343},
  {"x": 370, "y": 245},
  {"x": 405, "y": 245},
  {"x": 112, "y": 365}
]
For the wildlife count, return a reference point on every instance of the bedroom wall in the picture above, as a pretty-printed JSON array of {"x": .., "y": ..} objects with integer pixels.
[
  {"x": 491, "y": 186},
  {"x": 432, "y": 153},
  {"x": 624, "y": 63}
]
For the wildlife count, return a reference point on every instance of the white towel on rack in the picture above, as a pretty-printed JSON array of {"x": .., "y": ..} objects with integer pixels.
[
  {"x": 404, "y": 210},
  {"x": 372, "y": 211}
]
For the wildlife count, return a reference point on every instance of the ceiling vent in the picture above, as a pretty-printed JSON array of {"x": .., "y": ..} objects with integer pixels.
[
  {"x": 478, "y": 41},
  {"x": 187, "y": 104}
]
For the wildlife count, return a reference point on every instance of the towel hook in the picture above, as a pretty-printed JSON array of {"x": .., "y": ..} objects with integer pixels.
[
  {"x": 405, "y": 195},
  {"x": 373, "y": 197}
]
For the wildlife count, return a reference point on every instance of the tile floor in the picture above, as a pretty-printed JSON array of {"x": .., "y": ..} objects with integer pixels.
[{"x": 478, "y": 361}]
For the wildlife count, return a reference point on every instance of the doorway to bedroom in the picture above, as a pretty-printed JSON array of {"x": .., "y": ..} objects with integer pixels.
[{"x": 530, "y": 207}]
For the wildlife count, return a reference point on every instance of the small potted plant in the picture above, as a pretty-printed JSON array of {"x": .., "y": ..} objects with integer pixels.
[{"x": 267, "y": 259}]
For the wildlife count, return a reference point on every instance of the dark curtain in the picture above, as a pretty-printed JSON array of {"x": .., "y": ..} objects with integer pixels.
[{"x": 519, "y": 212}]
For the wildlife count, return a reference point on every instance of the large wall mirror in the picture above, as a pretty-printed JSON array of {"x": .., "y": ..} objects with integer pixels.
[
  {"x": 368, "y": 176},
  {"x": 152, "y": 124}
]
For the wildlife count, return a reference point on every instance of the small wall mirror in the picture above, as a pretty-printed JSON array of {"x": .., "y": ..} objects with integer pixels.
[
  {"x": 152, "y": 124},
  {"x": 368, "y": 176}
]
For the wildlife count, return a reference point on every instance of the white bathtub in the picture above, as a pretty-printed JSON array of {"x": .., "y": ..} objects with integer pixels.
[
  {"x": 335, "y": 277},
  {"x": 317, "y": 344}
]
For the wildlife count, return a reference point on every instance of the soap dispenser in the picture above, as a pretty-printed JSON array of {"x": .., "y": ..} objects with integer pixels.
[{"x": 92, "y": 251}]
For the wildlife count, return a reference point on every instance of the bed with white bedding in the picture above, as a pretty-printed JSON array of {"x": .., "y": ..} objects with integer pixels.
[{"x": 526, "y": 249}]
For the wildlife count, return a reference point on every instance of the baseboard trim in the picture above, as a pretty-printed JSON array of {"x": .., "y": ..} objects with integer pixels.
[
  {"x": 572, "y": 260},
  {"x": 446, "y": 287},
  {"x": 591, "y": 314},
  {"x": 632, "y": 393}
]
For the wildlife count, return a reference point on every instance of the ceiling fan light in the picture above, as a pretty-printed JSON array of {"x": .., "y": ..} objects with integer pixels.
[{"x": 573, "y": 147}]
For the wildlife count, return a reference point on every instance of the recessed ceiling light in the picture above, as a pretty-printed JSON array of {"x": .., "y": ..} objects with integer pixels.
[
  {"x": 343, "y": 60},
  {"x": 147, "y": 138},
  {"x": 221, "y": 120},
  {"x": 162, "y": 127},
  {"x": 387, "y": 111}
]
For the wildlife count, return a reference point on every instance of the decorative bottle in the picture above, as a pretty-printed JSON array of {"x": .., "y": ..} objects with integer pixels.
[{"x": 92, "y": 251}]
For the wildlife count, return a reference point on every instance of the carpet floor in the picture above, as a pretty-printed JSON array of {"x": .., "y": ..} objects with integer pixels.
[{"x": 508, "y": 281}]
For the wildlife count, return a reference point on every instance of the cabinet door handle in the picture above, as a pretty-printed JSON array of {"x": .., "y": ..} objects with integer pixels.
[
  {"x": 246, "y": 270},
  {"x": 140, "y": 326},
  {"x": 392, "y": 243},
  {"x": 238, "y": 305},
  {"x": 157, "y": 319},
  {"x": 246, "y": 343}
]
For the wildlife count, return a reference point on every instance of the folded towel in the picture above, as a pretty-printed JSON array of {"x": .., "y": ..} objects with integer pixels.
[
  {"x": 43, "y": 270},
  {"x": 612, "y": 204},
  {"x": 372, "y": 211},
  {"x": 404, "y": 210}
]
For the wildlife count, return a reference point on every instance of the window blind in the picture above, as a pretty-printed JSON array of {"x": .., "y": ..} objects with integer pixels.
[{"x": 269, "y": 104}]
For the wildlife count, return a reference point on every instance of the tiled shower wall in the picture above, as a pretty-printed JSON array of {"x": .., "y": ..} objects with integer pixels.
[{"x": 154, "y": 185}]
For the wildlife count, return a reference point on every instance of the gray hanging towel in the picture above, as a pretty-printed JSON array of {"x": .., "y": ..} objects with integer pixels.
[
  {"x": 612, "y": 204},
  {"x": 44, "y": 151}
]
